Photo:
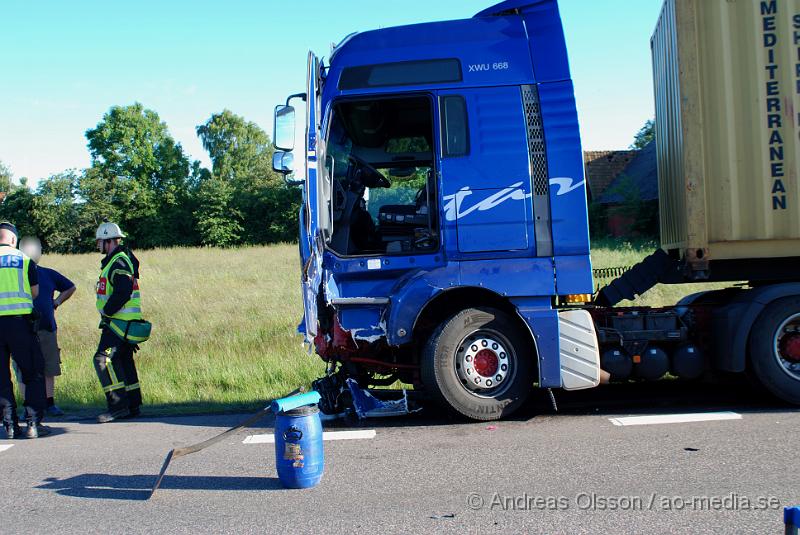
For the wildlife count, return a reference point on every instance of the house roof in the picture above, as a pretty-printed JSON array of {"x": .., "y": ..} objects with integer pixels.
[
  {"x": 603, "y": 166},
  {"x": 641, "y": 172}
]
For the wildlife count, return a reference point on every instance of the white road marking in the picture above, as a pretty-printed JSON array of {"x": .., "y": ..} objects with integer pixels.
[
  {"x": 326, "y": 435},
  {"x": 676, "y": 418},
  {"x": 4, "y": 447}
]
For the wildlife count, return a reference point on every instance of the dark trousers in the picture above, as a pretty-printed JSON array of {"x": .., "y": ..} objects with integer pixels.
[
  {"x": 18, "y": 340},
  {"x": 116, "y": 370}
]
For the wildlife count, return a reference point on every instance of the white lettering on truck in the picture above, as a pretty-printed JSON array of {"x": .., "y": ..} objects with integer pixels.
[
  {"x": 454, "y": 209},
  {"x": 496, "y": 66}
]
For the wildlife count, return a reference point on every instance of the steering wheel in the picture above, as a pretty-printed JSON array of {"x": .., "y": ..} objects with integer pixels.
[{"x": 374, "y": 178}]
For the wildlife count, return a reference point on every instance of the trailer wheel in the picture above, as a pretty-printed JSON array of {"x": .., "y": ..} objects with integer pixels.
[
  {"x": 775, "y": 348},
  {"x": 479, "y": 364}
]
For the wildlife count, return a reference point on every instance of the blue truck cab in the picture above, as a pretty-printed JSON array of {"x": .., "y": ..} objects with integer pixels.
[
  {"x": 443, "y": 235},
  {"x": 444, "y": 182}
]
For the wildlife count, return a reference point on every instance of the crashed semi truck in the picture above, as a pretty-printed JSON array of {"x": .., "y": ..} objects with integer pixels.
[{"x": 444, "y": 239}]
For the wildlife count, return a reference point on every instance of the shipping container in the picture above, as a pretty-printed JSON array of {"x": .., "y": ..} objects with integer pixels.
[{"x": 727, "y": 98}]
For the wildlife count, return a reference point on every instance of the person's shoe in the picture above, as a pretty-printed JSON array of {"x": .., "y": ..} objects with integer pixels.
[
  {"x": 133, "y": 412},
  {"x": 37, "y": 430},
  {"x": 110, "y": 416},
  {"x": 12, "y": 431},
  {"x": 54, "y": 410}
]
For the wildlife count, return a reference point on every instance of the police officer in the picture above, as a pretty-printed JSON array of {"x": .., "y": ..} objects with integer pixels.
[
  {"x": 118, "y": 298},
  {"x": 19, "y": 285}
]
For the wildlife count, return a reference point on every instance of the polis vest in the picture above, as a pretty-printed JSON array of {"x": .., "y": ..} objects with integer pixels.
[{"x": 15, "y": 288}]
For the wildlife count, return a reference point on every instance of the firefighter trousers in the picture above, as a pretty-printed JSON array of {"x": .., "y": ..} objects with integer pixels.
[{"x": 116, "y": 370}]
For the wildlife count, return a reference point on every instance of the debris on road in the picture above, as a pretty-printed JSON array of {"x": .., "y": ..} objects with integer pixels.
[{"x": 367, "y": 405}]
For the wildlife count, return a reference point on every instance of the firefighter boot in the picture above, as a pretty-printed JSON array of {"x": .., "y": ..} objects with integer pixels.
[
  {"x": 36, "y": 430},
  {"x": 110, "y": 416},
  {"x": 12, "y": 430},
  {"x": 11, "y": 423}
]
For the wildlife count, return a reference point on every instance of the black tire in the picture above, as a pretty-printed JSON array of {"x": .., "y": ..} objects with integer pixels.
[
  {"x": 764, "y": 358},
  {"x": 447, "y": 346}
]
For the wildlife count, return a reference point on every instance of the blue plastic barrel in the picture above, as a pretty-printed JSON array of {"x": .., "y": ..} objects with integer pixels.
[{"x": 299, "y": 456}]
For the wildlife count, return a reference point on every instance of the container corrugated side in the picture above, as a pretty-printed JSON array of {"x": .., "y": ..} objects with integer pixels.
[{"x": 727, "y": 93}]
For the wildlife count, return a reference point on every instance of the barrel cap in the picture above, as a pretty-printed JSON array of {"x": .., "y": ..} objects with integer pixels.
[{"x": 292, "y": 402}]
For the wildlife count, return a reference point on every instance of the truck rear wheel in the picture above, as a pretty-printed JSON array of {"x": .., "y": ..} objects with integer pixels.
[
  {"x": 479, "y": 363},
  {"x": 775, "y": 348}
]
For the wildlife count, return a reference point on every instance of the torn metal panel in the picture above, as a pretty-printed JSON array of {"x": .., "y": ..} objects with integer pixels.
[
  {"x": 331, "y": 289},
  {"x": 368, "y": 406},
  {"x": 371, "y": 334}
]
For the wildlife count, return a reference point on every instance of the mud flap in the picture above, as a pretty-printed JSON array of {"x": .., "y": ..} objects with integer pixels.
[{"x": 578, "y": 350}]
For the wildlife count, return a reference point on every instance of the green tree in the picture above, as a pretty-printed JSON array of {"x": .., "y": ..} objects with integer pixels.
[
  {"x": 145, "y": 171},
  {"x": 96, "y": 198},
  {"x": 240, "y": 151},
  {"x": 55, "y": 214},
  {"x": 217, "y": 222},
  {"x": 17, "y": 208},
  {"x": 241, "y": 156},
  {"x": 645, "y": 135},
  {"x": 5, "y": 178}
]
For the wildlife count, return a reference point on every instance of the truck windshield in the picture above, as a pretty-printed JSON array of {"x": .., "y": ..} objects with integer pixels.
[{"x": 379, "y": 172}]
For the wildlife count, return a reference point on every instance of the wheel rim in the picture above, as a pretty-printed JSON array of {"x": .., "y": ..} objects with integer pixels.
[
  {"x": 485, "y": 363},
  {"x": 786, "y": 346}
]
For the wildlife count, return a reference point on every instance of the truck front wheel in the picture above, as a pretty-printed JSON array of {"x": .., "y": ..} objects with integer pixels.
[
  {"x": 479, "y": 363},
  {"x": 775, "y": 348}
]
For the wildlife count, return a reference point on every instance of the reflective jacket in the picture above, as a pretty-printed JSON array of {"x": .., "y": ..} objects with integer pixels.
[
  {"x": 15, "y": 288},
  {"x": 132, "y": 309}
]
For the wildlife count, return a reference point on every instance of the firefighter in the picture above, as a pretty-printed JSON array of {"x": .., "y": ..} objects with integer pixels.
[
  {"x": 19, "y": 285},
  {"x": 118, "y": 301}
]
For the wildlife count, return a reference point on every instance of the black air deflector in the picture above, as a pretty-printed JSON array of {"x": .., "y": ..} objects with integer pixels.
[{"x": 431, "y": 71}]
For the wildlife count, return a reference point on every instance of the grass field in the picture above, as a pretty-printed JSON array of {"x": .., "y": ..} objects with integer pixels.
[{"x": 224, "y": 326}]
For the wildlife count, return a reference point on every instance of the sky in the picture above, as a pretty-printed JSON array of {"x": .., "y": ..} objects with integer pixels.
[{"x": 64, "y": 64}]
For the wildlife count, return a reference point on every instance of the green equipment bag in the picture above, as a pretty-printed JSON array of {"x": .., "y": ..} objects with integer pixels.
[{"x": 133, "y": 331}]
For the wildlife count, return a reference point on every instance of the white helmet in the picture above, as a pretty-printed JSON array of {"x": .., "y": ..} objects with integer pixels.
[
  {"x": 32, "y": 247},
  {"x": 109, "y": 231}
]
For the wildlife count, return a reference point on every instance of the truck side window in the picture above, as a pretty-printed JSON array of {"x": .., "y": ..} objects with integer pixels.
[
  {"x": 380, "y": 165},
  {"x": 455, "y": 131}
]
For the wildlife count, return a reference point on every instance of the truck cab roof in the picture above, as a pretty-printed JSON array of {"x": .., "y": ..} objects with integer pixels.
[{"x": 513, "y": 42}]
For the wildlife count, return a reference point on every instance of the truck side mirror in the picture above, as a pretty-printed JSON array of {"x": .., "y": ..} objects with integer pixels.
[
  {"x": 283, "y": 163},
  {"x": 284, "y": 126}
]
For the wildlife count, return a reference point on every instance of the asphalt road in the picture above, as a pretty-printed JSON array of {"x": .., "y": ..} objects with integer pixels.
[{"x": 568, "y": 472}]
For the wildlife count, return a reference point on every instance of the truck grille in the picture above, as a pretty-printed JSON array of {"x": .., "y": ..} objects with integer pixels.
[
  {"x": 536, "y": 147},
  {"x": 537, "y": 160}
]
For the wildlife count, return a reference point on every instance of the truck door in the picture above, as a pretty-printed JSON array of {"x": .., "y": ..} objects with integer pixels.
[
  {"x": 311, "y": 240},
  {"x": 486, "y": 190}
]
